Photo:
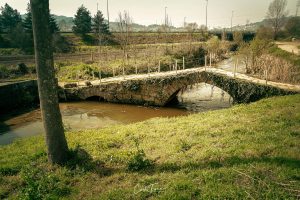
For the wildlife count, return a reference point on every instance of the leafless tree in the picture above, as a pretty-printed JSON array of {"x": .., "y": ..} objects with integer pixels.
[
  {"x": 125, "y": 29},
  {"x": 191, "y": 29},
  {"x": 276, "y": 15},
  {"x": 297, "y": 7},
  {"x": 238, "y": 37}
]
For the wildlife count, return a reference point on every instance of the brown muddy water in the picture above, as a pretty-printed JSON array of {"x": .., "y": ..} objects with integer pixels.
[{"x": 94, "y": 115}]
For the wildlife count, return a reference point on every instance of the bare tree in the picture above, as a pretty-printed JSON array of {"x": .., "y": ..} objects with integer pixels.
[
  {"x": 297, "y": 7},
  {"x": 276, "y": 15},
  {"x": 191, "y": 29},
  {"x": 125, "y": 29},
  {"x": 238, "y": 37},
  {"x": 47, "y": 83}
]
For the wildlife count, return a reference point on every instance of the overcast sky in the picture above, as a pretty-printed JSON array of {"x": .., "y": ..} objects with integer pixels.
[{"x": 152, "y": 11}]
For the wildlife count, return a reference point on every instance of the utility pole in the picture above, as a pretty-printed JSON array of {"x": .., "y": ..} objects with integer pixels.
[
  {"x": 166, "y": 27},
  {"x": 107, "y": 13},
  {"x": 231, "y": 19},
  {"x": 206, "y": 14},
  {"x": 166, "y": 17},
  {"x": 184, "y": 22}
]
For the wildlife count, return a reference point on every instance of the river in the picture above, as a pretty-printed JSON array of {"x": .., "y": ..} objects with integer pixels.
[{"x": 94, "y": 115}]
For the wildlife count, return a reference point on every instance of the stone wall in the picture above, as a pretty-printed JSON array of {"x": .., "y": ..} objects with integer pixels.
[{"x": 15, "y": 95}]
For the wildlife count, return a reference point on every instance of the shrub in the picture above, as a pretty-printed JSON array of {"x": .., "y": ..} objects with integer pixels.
[
  {"x": 4, "y": 72},
  {"x": 22, "y": 68},
  {"x": 139, "y": 161}
]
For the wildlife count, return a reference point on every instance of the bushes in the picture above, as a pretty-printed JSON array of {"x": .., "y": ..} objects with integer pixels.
[
  {"x": 4, "y": 72},
  {"x": 261, "y": 56},
  {"x": 138, "y": 160},
  {"x": 16, "y": 71}
]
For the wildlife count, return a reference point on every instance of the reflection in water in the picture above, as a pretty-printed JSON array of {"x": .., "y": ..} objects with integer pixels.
[
  {"x": 203, "y": 97},
  {"x": 85, "y": 115},
  {"x": 93, "y": 115}
]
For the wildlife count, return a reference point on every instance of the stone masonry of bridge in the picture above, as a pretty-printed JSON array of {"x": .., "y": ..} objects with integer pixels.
[{"x": 157, "y": 89}]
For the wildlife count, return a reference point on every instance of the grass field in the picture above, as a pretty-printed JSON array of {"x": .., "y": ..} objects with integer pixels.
[{"x": 245, "y": 152}]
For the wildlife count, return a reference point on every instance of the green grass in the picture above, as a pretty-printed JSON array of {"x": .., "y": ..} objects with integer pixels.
[{"x": 245, "y": 152}]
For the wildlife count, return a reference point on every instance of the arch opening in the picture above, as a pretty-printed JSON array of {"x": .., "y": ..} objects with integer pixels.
[
  {"x": 95, "y": 98},
  {"x": 201, "y": 97}
]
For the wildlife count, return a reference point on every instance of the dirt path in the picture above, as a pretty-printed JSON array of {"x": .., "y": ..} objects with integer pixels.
[{"x": 291, "y": 47}]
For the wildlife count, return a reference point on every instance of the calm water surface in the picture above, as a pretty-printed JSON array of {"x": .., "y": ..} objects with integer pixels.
[{"x": 93, "y": 115}]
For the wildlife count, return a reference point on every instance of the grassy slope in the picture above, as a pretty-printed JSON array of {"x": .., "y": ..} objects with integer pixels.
[{"x": 248, "y": 151}]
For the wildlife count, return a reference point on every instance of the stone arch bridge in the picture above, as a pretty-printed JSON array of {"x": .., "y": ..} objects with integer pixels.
[{"x": 158, "y": 89}]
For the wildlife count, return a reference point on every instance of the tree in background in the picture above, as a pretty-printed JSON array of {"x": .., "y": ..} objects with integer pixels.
[
  {"x": 27, "y": 22},
  {"x": 55, "y": 138},
  {"x": 99, "y": 26},
  {"x": 264, "y": 33},
  {"x": 252, "y": 52},
  {"x": 26, "y": 35},
  {"x": 276, "y": 15},
  {"x": 191, "y": 29},
  {"x": 10, "y": 18},
  {"x": 238, "y": 38},
  {"x": 293, "y": 27},
  {"x": 12, "y": 24},
  {"x": 82, "y": 21},
  {"x": 1, "y": 31},
  {"x": 53, "y": 25},
  {"x": 297, "y": 8},
  {"x": 125, "y": 30}
]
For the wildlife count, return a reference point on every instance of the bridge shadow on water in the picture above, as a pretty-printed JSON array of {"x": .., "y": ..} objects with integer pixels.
[{"x": 5, "y": 116}]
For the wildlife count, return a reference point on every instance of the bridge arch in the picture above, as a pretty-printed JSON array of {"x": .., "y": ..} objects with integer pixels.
[{"x": 158, "y": 90}]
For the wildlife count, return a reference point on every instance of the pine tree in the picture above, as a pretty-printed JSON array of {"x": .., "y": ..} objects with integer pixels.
[
  {"x": 27, "y": 23},
  {"x": 53, "y": 25},
  {"x": 99, "y": 25},
  {"x": 82, "y": 21},
  {"x": 10, "y": 18}
]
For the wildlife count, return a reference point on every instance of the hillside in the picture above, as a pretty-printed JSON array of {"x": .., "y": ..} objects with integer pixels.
[{"x": 245, "y": 152}]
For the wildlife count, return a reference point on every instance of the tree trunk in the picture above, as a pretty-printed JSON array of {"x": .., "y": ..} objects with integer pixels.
[{"x": 47, "y": 83}]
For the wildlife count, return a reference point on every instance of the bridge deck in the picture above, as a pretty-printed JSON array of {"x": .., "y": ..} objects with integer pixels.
[{"x": 284, "y": 86}]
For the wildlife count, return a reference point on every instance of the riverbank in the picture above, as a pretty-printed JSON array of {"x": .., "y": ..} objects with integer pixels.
[{"x": 248, "y": 151}]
